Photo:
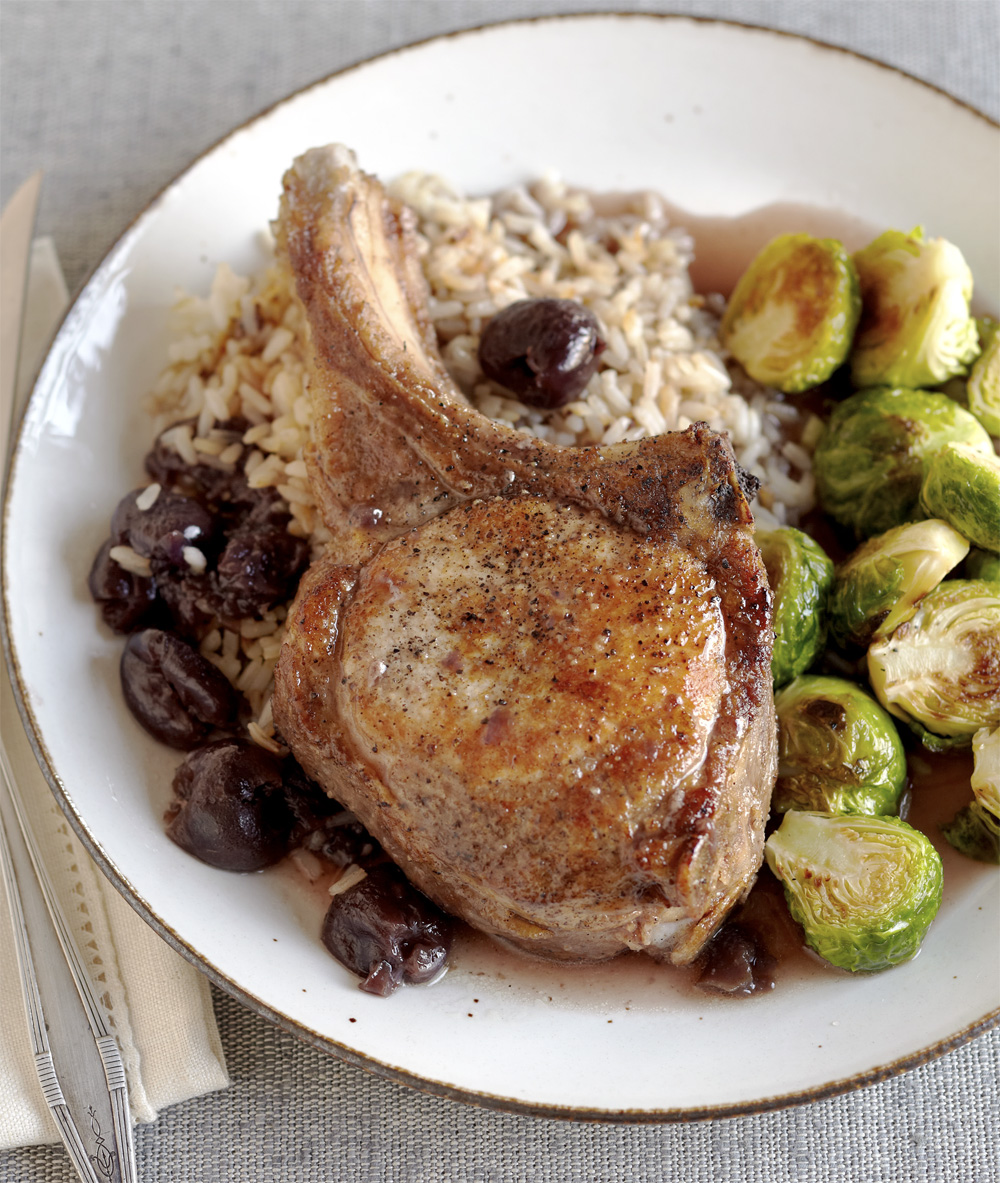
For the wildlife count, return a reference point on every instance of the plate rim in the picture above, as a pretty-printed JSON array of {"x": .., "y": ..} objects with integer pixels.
[{"x": 301, "y": 1030}]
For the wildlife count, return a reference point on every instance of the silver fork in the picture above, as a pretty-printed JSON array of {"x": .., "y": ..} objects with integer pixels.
[{"x": 77, "y": 1058}]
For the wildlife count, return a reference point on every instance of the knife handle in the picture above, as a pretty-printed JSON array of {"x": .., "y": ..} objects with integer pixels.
[{"x": 77, "y": 1059}]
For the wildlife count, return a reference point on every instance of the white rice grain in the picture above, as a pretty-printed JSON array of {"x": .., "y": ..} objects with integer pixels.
[
  {"x": 130, "y": 561},
  {"x": 147, "y": 498},
  {"x": 351, "y": 877}
]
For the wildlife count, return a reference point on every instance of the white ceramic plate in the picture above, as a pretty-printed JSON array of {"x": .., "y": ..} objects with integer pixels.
[{"x": 720, "y": 118}]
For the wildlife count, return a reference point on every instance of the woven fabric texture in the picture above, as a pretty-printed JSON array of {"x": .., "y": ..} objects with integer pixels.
[
  {"x": 292, "y": 1113},
  {"x": 112, "y": 98}
]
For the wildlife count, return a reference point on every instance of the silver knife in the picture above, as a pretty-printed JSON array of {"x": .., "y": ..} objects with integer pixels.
[
  {"x": 76, "y": 1055},
  {"x": 16, "y": 226}
]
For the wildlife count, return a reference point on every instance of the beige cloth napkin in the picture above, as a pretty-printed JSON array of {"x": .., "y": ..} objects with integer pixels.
[{"x": 160, "y": 1006}]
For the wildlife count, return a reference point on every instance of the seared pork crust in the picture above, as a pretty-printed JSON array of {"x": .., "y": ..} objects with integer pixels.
[{"x": 539, "y": 675}]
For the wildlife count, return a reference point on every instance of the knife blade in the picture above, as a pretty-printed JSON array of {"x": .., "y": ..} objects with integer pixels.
[
  {"x": 76, "y": 1055},
  {"x": 17, "y": 224}
]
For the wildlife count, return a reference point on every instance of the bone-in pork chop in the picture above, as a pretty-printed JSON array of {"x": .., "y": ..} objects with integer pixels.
[{"x": 539, "y": 675}]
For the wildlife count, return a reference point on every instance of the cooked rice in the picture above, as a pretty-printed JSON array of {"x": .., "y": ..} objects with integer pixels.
[
  {"x": 130, "y": 561},
  {"x": 663, "y": 368},
  {"x": 240, "y": 353},
  {"x": 349, "y": 878}
]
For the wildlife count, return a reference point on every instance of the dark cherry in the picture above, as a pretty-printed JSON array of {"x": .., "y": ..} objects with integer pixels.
[
  {"x": 386, "y": 931},
  {"x": 343, "y": 843},
  {"x": 125, "y": 600},
  {"x": 322, "y": 825},
  {"x": 736, "y": 962},
  {"x": 542, "y": 350},
  {"x": 259, "y": 507},
  {"x": 258, "y": 567},
  {"x": 176, "y": 694},
  {"x": 231, "y": 811},
  {"x": 184, "y": 596},
  {"x": 201, "y": 481},
  {"x": 170, "y": 524},
  {"x": 225, "y": 494}
]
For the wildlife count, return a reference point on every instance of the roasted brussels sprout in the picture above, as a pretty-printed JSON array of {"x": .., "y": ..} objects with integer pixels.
[
  {"x": 975, "y": 830},
  {"x": 986, "y": 769},
  {"x": 939, "y": 671},
  {"x": 838, "y": 750},
  {"x": 915, "y": 327},
  {"x": 792, "y": 316},
  {"x": 962, "y": 485},
  {"x": 864, "y": 889},
  {"x": 983, "y": 388},
  {"x": 870, "y": 462},
  {"x": 982, "y": 564},
  {"x": 800, "y": 575},
  {"x": 876, "y": 587}
]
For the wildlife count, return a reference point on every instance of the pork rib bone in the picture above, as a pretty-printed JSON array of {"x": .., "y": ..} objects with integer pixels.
[{"x": 540, "y": 675}]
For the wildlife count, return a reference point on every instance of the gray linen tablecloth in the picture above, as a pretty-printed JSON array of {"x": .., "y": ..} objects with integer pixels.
[{"x": 112, "y": 99}]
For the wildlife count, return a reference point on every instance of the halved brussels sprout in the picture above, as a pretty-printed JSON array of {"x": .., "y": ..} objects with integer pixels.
[
  {"x": 838, "y": 750},
  {"x": 975, "y": 830},
  {"x": 869, "y": 463},
  {"x": 940, "y": 670},
  {"x": 800, "y": 575},
  {"x": 983, "y": 388},
  {"x": 864, "y": 889},
  {"x": 876, "y": 587},
  {"x": 986, "y": 769},
  {"x": 791, "y": 317},
  {"x": 915, "y": 327},
  {"x": 982, "y": 564},
  {"x": 962, "y": 485}
]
